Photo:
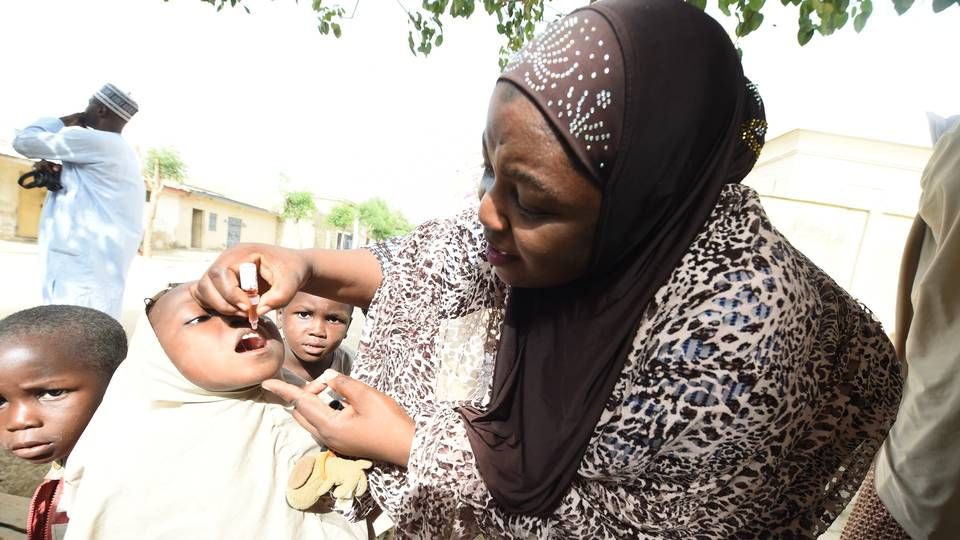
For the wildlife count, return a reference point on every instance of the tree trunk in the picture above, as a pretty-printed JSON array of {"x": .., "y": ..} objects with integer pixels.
[
  {"x": 156, "y": 187},
  {"x": 356, "y": 232}
]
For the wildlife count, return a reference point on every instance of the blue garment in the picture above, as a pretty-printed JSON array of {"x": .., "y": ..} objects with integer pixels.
[{"x": 91, "y": 229}]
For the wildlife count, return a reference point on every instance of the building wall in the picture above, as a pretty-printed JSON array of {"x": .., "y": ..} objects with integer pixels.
[
  {"x": 11, "y": 195},
  {"x": 846, "y": 203},
  {"x": 257, "y": 225},
  {"x": 295, "y": 235},
  {"x": 166, "y": 221}
]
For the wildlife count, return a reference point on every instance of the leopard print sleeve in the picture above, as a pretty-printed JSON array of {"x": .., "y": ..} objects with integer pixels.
[
  {"x": 385, "y": 251},
  {"x": 755, "y": 395}
]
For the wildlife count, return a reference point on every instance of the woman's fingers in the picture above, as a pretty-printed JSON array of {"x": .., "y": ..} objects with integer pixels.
[
  {"x": 290, "y": 393},
  {"x": 206, "y": 295},
  {"x": 351, "y": 389},
  {"x": 219, "y": 287},
  {"x": 283, "y": 288},
  {"x": 315, "y": 386},
  {"x": 313, "y": 414}
]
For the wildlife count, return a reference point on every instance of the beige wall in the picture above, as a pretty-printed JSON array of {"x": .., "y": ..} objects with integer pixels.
[
  {"x": 11, "y": 196},
  {"x": 847, "y": 203},
  {"x": 296, "y": 235},
  {"x": 173, "y": 225},
  {"x": 257, "y": 225}
]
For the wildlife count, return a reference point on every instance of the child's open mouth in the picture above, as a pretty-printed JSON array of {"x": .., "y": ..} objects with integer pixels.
[{"x": 251, "y": 341}]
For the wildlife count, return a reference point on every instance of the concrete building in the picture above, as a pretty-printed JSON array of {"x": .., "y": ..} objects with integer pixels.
[
  {"x": 193, "y": 217},
  {"x": 327, "y": 236},
  {"x": 19, "y": 208}
]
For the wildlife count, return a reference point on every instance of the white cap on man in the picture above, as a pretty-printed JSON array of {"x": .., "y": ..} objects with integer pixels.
[{"x": 117, "y": 101}]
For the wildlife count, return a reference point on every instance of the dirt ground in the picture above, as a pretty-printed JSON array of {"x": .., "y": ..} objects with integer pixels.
[{"x": 17, "y": 477}]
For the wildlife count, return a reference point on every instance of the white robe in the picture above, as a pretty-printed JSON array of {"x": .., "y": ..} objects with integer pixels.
[{"x": 91, "y": 229}]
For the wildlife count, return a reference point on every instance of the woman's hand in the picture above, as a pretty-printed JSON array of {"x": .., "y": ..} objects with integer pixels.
[
  {"x": 282, "y": 273},
  {"x": 371, "y": 425}
]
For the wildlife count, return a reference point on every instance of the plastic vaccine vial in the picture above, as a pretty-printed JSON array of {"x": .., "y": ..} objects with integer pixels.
[{"x": 248, "y": 282}]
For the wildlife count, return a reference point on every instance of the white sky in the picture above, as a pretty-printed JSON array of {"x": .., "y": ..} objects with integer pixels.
[{"x": 245, "y": 98}]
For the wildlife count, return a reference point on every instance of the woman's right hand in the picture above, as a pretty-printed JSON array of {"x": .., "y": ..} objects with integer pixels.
[{"x": 282, "y": 273}]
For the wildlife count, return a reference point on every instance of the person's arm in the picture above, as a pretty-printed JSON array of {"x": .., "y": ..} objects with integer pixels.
[
  {"x": 436, "y": 490},
  {"x": 58, "y": 138},
  {"x": 348, "y": 276},
  {"x": 908, "y": 272}
]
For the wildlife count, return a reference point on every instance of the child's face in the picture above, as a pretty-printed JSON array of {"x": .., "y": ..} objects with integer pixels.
[
  {"x": 47, "y": 397},
  {"x": 215, "y": 352},
  {"x": 313, "y": 326}
]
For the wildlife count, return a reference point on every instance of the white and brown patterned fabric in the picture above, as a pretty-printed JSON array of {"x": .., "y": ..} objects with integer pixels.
[{"x": 755, "y": 396}]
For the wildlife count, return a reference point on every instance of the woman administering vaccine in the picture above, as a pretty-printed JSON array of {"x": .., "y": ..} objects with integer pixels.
[{"x": 617, "y": 343}]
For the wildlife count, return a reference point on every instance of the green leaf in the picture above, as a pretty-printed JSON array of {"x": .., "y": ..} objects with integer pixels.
[
  {"x": 902, "y": 6},
  {"x": 324, "y": 27},
  {"x": 336, "y": 29},
  {"x": 803, "y": 36},
  {"x": 940, "y": 5},
  {"x": 756, "y": 5},
  {"x": 702, "y": 4},
  {"x": 860, "y": 21},
  {"x": 439, "y": 40},
  {"x": 411, "y": 43}
]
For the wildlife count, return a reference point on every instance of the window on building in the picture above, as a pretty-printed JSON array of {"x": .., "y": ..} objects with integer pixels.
[
  {"x": 213, "y": 222},
  {"x": 344, "y": 241}
]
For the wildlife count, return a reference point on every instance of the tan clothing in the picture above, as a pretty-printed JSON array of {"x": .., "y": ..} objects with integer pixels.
[
  {"x": 163, "y": 458},
  {"x": 918, "y": 467}
]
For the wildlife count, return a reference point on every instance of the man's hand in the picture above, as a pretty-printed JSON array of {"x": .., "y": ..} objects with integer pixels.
[
  {"x": 48, "y": 167},
  {"x": 75, "y": 119}
]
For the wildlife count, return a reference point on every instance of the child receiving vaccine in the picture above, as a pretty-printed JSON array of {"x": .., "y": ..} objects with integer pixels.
[{"x": 187, "y": 445}]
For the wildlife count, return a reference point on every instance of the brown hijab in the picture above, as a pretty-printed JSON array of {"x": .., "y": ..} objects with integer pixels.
[{"x": 650, "y": 98}]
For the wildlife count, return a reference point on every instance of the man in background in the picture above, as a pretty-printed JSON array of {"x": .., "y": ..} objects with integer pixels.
[{"x": 89, "y": 230}]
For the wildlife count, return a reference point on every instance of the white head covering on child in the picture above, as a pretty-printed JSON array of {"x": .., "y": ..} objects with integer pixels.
[{"x": 163, "y": 458}]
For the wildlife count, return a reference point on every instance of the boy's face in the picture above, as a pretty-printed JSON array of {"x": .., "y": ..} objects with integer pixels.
[
  {"x": 216, "y": 352},
  {"x": 47, "y": 398},
  {"x": 313, "y": 326}
]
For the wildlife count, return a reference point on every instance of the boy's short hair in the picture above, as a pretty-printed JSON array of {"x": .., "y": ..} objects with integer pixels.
[{"x": 93, "y": 337}]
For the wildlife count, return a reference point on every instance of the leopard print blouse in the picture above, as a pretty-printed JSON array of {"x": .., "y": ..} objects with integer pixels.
[{"x": 751, "y": 405}]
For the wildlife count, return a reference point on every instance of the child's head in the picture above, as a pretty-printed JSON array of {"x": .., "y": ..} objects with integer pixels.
[
  {"x": 314, "y": 327},
  {"x": 216, "y": 352},
  {"x": 55, "y": 363}
]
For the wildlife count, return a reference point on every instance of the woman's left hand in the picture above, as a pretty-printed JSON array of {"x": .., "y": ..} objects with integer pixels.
[{"x": 370, "y": 425}]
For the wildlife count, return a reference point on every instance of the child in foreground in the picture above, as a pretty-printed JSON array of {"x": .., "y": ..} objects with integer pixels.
[
  {"x": 55, "y": 364},
  {"x": 186, "y": 444}
]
